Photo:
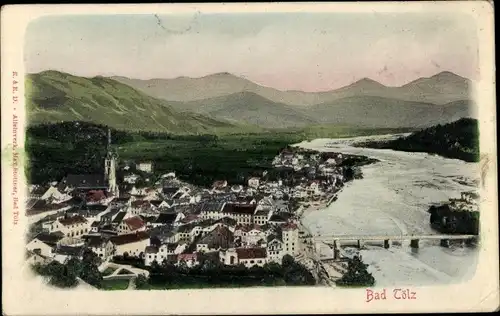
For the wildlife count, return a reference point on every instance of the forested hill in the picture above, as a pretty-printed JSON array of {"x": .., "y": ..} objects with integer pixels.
[{"x": 459, "y": 140}]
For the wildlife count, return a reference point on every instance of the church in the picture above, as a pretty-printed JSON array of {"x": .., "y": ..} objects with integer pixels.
[{"x": 89, "y": 182}]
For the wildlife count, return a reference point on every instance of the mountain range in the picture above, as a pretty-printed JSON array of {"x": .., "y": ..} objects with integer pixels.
[
  {"x": 224, "y": 101},
  {"x": 441, "y": 88}
]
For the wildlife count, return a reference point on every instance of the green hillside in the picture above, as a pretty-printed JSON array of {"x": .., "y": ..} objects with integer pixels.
[
  {"x": 250, "y": 108},
  {"x": 56, "y": 97}
]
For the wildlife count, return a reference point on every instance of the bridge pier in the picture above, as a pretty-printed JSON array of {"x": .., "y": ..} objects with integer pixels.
[
  {"x": 335, "y": 250},
  {"x": 445, "y": 243},
  {"x": 387, "y": 243},
  {"x": 414, "y": 243},
  {"x": 360, "y": 243},
  {"x": 471, "y": 241}
]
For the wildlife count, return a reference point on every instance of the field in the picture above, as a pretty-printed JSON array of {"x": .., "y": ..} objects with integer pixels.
[
  {"x": 58, "y": 149},
  {"x": 110, "y": 285}
]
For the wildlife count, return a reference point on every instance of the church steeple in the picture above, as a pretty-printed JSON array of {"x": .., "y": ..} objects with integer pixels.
[{"x": 110, "y": 168}]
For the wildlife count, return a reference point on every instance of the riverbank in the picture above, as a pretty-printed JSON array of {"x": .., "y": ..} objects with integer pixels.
[{"x": 393, "y": 198}]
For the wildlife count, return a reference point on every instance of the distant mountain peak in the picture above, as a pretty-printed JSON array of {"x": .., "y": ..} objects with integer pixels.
[
  {"x": 369, "y": 81},
  {"x": 448, "y": 75},
  {"x": 365, "y": 83},
  {"x": 443, "y": 76}
]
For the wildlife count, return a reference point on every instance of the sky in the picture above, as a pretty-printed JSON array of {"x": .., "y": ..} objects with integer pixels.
[{"x": 287, "y": 51}]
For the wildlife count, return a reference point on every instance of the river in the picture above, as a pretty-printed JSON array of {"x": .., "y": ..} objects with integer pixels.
[{"x": 393, "y": 198}]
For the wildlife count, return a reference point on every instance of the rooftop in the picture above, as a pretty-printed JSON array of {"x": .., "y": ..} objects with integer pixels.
[
  {"x": 49, "y": 239},
  {"x": 73, "y": 220},
  {"x": 239, "y": 209},
  {"x": 251, "y": 253},
  {"x": 166, "y": 218},
  {"x": 82, "y": 181},
  {"x": 134, "y": 223},
  {"x": 129, "y": 238}
]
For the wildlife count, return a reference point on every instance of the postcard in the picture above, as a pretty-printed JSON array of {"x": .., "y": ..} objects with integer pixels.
[{"x": 249, "y": 158}]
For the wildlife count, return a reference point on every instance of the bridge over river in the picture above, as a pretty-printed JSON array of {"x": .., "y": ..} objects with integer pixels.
[{"x": 336, "y": 241}]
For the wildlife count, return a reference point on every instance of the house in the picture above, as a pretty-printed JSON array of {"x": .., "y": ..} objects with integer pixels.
[
  {"x": 162, "y": 252},
  {"x": 252, "y": 256},
  {"x": 245, "y": 200},
  {"x": 253, "y": 235},
  {"x": 89, "y": 212},
  {"x": 123, "y": 201},
  {"x": 43, "y": 243},
  {"x": 94, "y": 227},
  {"x": 290, "y": 238},
  {"x": 191, "y": 259},
  {"x": 160, "y": 204},
  {"x": 51, "y": 193},
  {"x": 243, "y": 214},
  {"x": 74, "y": 226},
  {"x": 130, "y": 225},
  {"x": 102, "y": 247},
  {"x": 37, "y": 258},
  {"x": 219, "y": 238},
  {"x": 145, "y": 166},
  {"x": 275, "y": 248},
  {"x": 131, "y": 178},
  {"x": 170, "y": 191},
  {"x": 95, "y": 197},
  {"x": 163, "y": 235},
  {"x": 131, "y": 244},
  {"x": 281, "y": 207},
  {"x": 37, "y": 191},
  {"x": 277, "y": 219},
  {"x": 261, "y": 217},
  {"x": 246, "y": 256},
  {"x": 82, "y": 182},
  {"x": 63, "y": 253},
  {"x": 110, "y": 215},
  {"x": 140, "y": 206},
  {"x": 166, "y": 219},
  {"x": 253, "y": 182}
]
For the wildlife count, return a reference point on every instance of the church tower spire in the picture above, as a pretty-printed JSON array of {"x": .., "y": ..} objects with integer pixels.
[{"x": 110, "y": 168}]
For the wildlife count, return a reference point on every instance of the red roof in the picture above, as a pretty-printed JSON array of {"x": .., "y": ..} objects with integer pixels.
[
  {"x": 96, "y": 195},
  {"x": 134, "y": 223},
  {"x": 187, "y": 256},
  {"x": 290, "y": 226},
  {"x": 251, "y": 253}
]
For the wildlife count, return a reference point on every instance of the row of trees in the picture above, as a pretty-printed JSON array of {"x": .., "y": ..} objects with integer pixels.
[{"x": 213, "y": 273}]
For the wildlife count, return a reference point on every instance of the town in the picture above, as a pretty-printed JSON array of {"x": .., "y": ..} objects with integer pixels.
[{"x": 179, "y": 223}]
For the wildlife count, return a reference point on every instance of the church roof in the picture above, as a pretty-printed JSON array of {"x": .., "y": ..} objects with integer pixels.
[{"x": 82, "y": 181}]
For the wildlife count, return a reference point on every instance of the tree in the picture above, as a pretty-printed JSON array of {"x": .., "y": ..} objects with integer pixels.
[
  {"x": 61, "y": 275},
  {"x": 357, "y": 274},
  {"x": 141, "y": 281},
  {"x": 89, "y": 268}
]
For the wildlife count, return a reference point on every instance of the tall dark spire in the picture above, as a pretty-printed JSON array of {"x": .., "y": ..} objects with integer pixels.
[{"x": 109, "y": 139}]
